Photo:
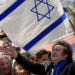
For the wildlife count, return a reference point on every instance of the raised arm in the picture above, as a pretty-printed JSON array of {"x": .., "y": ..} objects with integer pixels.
[
  {"x": 9, "y": 50},
  {"x": 27, "y": 64}
]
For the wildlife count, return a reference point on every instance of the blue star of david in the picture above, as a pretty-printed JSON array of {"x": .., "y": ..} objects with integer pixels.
[{"x": 37, "y": 13}]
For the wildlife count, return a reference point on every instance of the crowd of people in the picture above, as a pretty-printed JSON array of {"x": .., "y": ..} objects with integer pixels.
[
  {"x": 9, "y": 66},
  {"x": 57, "y": 62}
]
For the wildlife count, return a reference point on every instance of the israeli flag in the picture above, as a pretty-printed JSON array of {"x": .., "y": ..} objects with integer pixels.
[
  {"x": 64, "y": 8},
  {"x": 32, "y": 24}
]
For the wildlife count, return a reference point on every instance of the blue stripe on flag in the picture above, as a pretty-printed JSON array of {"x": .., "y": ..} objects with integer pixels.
[
  {"x": 64, "y": 9},
  {"x": 45, "y": 32},
  {"x": 10, "y": 9}
]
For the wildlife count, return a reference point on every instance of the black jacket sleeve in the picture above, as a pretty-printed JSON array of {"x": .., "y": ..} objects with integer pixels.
[{"x": 33, "y": 67}]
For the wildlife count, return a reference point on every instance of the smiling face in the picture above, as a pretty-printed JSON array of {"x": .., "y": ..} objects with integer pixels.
[
  {"x": 5, "y": 66},
  {"x": 58, "y": 54}
]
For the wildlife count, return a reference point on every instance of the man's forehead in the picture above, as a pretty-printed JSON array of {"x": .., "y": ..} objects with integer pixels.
[{"x": 59, "y": 46}]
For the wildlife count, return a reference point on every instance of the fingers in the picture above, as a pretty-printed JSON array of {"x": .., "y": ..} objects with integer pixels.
[
  {"x": 10, "y": 45},
  {"x": 2, "y": 51},
  {"x": 6, "y": 45},
  {"x": 9, "y": 50},
  {"x": 3, "y": 48}
]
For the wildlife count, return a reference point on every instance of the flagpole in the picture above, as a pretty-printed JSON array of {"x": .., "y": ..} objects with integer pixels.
[{"x": 72, "y": 27}]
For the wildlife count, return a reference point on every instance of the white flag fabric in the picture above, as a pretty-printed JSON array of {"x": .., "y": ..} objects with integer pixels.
[
  {"x": 65, "y": 10},
  {"x": 32, "y": 24}
]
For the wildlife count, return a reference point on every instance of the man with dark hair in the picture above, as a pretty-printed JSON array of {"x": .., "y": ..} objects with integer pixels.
[
  {"x": 67, "y": 50},
  {"x": 61, "y": 55}
]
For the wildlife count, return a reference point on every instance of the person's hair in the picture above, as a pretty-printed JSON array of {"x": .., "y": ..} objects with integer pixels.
[
  {"x": 31, "y": 58},
  {"x": 23, "y": 55},
  {"x": 3, "y": 35},
  {"x": 39, "y": 54},
  {"x": 9, "y": 59},
  {"x": 16, "y": 63},
  {"x": 49, "y": 55},
  {"x": 67, "y": 49},
  {"x": 16, "y": 48}
]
